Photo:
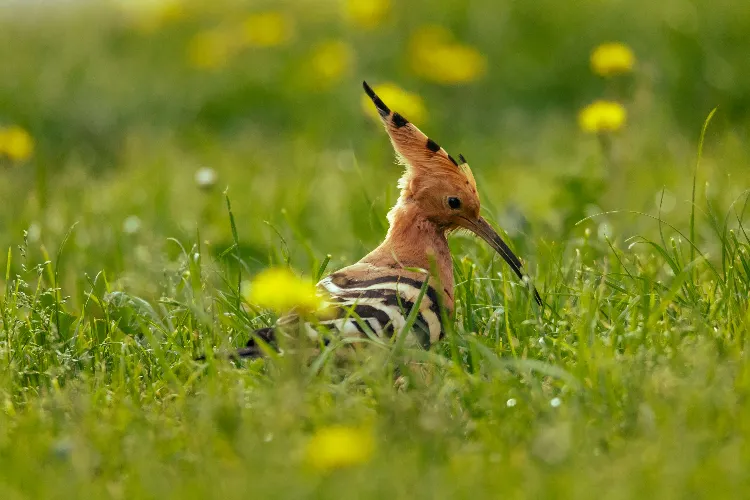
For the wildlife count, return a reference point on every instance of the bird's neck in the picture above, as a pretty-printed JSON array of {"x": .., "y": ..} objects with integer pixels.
[{"x": 414, "y": 241}]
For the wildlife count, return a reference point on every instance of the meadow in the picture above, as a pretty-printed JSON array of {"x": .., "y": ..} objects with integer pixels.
[{"x": 156, "y": 156}]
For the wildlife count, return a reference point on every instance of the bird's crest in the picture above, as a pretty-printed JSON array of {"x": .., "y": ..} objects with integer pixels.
[
  {"x": 416, "y": 151},
  {"x": 464, "y": 167}
]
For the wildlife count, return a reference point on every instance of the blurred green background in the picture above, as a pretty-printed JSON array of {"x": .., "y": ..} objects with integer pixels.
[
  {"x": 124, "y": 123},
  {"x": 126, "y": 101}
]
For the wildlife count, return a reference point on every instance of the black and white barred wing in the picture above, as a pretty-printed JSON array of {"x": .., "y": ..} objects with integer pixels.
[
  {"x": 383, "y": 304},
  {"x": 377, "y": 302}
]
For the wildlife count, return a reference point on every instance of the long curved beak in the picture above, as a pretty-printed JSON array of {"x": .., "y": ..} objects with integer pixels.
[{"x": 482, "y": 228}]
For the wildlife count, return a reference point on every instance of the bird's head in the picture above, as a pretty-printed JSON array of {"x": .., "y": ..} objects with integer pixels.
[{"x": 439, "y": 188}]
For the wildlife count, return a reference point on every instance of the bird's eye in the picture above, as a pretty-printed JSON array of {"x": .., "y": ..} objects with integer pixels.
[{"x": 454, "y": 203}]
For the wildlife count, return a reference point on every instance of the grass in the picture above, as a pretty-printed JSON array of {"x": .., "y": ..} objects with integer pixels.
[{"x": 117, "y": 270}]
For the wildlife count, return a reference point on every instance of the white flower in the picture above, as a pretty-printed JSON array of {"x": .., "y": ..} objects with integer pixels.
[
  {"x": 205, "y": 178},
  {"x": 131, "y": 225}
]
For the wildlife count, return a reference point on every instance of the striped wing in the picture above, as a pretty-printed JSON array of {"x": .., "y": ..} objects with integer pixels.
[
  {"x": 382, "y": 302},
  {"x": 367, "y": 300}
]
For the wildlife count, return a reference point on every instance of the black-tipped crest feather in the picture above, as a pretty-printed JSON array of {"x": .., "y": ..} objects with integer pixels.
[
  {"x": 383, "y": 110},
  {"x": 398, "y": 120}
]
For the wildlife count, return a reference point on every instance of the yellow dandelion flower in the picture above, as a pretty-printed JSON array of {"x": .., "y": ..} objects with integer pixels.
[
  {"x": 330, "y": 61},
  {"x": 280, "y": 290},
  {"x": 366, "y": 14},
  {"x": 611, "y": 59},
  {"x": 16, "y": 143},
  {"x": 210, "y": 49},
  {"x": 338, "y": 446},
  {"x": 267, "y": 29},
  {"x": 406, "y": 103},
  {"x": 602, "y": 116},
  {"x": 435, "y": 56}
]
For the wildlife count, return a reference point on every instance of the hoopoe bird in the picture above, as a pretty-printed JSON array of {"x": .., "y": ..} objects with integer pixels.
[{"x": 376, "y": 295}]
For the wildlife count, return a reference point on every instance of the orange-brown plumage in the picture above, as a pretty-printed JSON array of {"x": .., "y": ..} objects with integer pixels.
[{"x": 413, "y": 241}]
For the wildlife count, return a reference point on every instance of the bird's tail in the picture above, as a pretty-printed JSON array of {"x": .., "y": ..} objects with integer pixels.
[{"x": 252, "y": 349}]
